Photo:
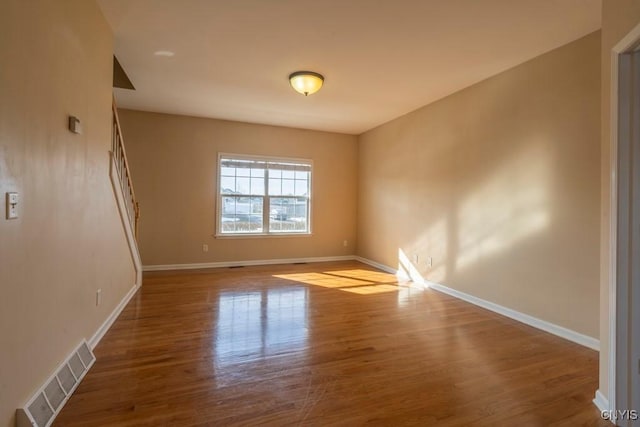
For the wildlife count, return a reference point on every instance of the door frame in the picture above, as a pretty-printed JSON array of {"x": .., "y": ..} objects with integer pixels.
[{"x": 619, "y": 284}]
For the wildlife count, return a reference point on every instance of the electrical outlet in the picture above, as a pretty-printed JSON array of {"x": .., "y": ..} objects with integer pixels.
[
  {"x": 345, "y": 243},
  {"x": 415, "y": 258},
  {"x": 205, "y": 248},
  {"x": 98, "y": 297},
  {"x": 430, "y": 261}
]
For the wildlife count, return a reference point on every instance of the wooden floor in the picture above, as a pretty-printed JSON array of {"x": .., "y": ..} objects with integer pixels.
[{"x": 325, "y": 344}]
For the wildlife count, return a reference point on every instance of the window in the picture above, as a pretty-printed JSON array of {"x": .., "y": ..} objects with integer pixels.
[{"x": 263, "y": 196}]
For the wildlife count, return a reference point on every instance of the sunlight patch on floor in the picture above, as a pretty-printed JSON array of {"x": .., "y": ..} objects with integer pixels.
[
  {"x": 374, "y": 289},
  {"x": 324, "y": 280},
  {"x": 373, "y": 276},
  {"x": 357, "y": 281}
]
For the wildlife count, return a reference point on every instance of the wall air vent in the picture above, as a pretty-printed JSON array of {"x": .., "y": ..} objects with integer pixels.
[{"x": 46, "y": 403}]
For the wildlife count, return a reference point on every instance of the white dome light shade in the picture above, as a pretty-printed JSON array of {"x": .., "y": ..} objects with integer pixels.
[{"x": 306, "y": 82}]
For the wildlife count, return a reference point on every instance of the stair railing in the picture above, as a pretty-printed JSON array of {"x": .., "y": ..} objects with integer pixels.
[{"x": 122, "y": 167}]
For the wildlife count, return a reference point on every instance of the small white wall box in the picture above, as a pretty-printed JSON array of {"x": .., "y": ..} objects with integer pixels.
[
  {"x": 74, "y": 124},
  {"x": 12, "y": 205}
]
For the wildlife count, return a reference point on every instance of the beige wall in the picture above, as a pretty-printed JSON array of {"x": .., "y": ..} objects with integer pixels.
[
  {"x": 618, "y": 18},
  {"x": 68, "y": 241},
  {"x": 499, "y": 183},
  {"x": 173, "y": 163},
  {"x": 495, "y": 182}
]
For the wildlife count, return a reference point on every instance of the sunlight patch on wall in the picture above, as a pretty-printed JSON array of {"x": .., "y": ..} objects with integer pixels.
[
  {"x": 511, "y": 205},
  {"x": 432, "y": 243},
  {"x": 406, "y": 270}
]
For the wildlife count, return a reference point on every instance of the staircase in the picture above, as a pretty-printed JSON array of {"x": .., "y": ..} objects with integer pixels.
[
  {"x": 123, "y": 190},
  {"x": 119, "y": 158}
]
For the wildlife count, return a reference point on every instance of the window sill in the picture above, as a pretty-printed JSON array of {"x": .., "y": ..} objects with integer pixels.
[{"x": 262, "y": 235}]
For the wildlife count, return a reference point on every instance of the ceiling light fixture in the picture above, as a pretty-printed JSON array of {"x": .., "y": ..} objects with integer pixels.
[
  {"x": 306, "y": 82},
  {"x": 166, "y": 53}
]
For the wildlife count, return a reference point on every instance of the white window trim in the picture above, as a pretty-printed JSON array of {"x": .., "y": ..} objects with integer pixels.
[{"x": 266, "y": 234}]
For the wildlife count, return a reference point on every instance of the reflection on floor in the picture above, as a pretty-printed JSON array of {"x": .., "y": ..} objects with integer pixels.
[
  {"x": 325, "y": 344},
  {"x": 260, "y": 323}
]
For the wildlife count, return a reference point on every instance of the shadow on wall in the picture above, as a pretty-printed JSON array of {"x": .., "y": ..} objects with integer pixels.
[{"x": 497, "y": 213}]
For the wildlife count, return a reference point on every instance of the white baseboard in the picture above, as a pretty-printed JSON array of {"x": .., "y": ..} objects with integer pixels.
[
  {"x": 601, "y": 402},
  {"x": 377, "y": 265},
  {"x": 568, "y": 334},
  {"x": 95, "y": 339},
  {"x": 245, "y": 263},
  {"x": 552, "y": 328}
]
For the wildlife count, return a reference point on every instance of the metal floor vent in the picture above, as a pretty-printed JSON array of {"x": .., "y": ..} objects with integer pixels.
[{"x": 47, "y": 402}]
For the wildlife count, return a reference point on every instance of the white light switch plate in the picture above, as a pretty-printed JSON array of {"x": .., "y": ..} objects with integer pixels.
[{"x": 12, "y": 205}]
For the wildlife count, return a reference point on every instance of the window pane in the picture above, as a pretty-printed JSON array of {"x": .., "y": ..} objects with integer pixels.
[
  {"x": 275, "y": 187},
  {"x": 288, "y": 214},
  {"x": 228, "y": 171},
  {"x": 243, "y": 185},
  {"x": 228, "y": 212},
  {"x": 302, "y": 188},
  {"x": 227, "y": 184},
  {"x": 302, "y": 175},
  {"x": 243, "y": 172},
  {"x": 242, "y": 215},
  {"x": 257, "y": 173},
  {"x": 274, "y": 173},
  {"x": 287, "y": 187},
  {"x": 288, "y": 174},
  {"x": 257, "y": 186}
]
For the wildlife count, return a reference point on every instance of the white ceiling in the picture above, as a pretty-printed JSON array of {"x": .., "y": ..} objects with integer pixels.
[{"x": 380, "y": 58}]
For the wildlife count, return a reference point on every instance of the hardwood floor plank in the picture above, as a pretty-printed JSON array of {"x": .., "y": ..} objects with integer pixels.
[{"x": 325, "y": 344}]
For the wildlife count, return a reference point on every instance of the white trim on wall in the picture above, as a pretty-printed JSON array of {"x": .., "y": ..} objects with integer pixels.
[
  {"x": 601, "y": 401},
  {"x": 613, "y": 238},
  {"x": 560, "y": 331},
  {"x": 552, "y": 328},
  {"x": 377, "y": 265},
  {"x": 164, "y": 267},
  {"x": 133, "y": 249},
  {"x": 95, "y": 339},
  {"x": 627, "y": 44}
]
